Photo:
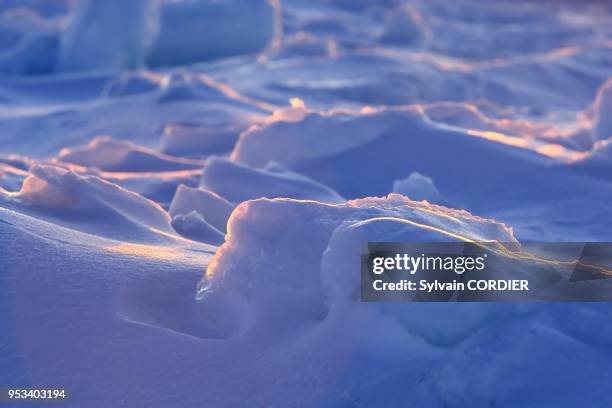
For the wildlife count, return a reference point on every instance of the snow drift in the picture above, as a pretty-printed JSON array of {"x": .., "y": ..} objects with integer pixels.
[
  {"x": 265, "y": 281},
  {"x": 88, "y": 203},
  {"x": 105, "y": 153},
  {"x": 363, "y": 153},
  {"x": 263, "y": 259}
]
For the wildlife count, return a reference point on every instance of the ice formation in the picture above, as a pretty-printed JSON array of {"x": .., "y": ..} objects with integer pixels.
[
  {"x": 185, "y": 139},
  {"x": 192, "y": 31},
  {"x": 193, "y": 226},
  {"x": 238, "y": 182},
  {"x": 212, "y": 207},
  {"x": 128, "y": 30}
]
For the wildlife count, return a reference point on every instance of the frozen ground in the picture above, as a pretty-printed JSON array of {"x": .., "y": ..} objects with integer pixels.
[{"x": 186, "y": 186}]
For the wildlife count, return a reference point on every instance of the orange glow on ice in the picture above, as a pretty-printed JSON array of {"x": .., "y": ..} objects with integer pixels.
[{"x": 145, "y": 251}]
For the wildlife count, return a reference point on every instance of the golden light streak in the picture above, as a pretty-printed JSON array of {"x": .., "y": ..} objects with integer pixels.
[{"x": 146, "y": 251}]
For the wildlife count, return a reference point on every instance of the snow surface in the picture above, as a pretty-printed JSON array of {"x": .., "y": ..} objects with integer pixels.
[
  {"x": 237, "y": 182},
  {"x": 186, "y": 187}
]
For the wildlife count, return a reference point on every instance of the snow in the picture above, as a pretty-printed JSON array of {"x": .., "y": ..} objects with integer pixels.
[
  {"x": 212, "y": 207},
  {"x": 257, "y": 254},
  {"x": 90, "y": 203},
  {"x": 233, "y": 27},
  {"x": 193, "y": 226},
  {"x": 388, "y": 143},
  {"x": 105, "y": 153},
  {"x": 418, "y": 187},
  {"x": 187, "y": 186},
  {"x": 64, "y": 36},
  {"x": 405, "y": 27},
  {"x": 128, "y": 31},
  {"x": 185, "y": 139},
  {"x": 237, "y": 182}
]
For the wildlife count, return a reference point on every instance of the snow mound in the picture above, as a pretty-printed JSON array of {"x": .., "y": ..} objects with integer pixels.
[
  {"x": 308, "y": 135},
  {"x": 603, "y": 108},
  {"x": 237, "y": 182},
  {"x": 213, "y": 208},
  {"x": 91, "y": 203},
  {"x": 106, "y": 153},
  {"x": 363, "y": 153},
  {"x": 418, "y": 187},
  {"x": 264, "y": 260}
]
